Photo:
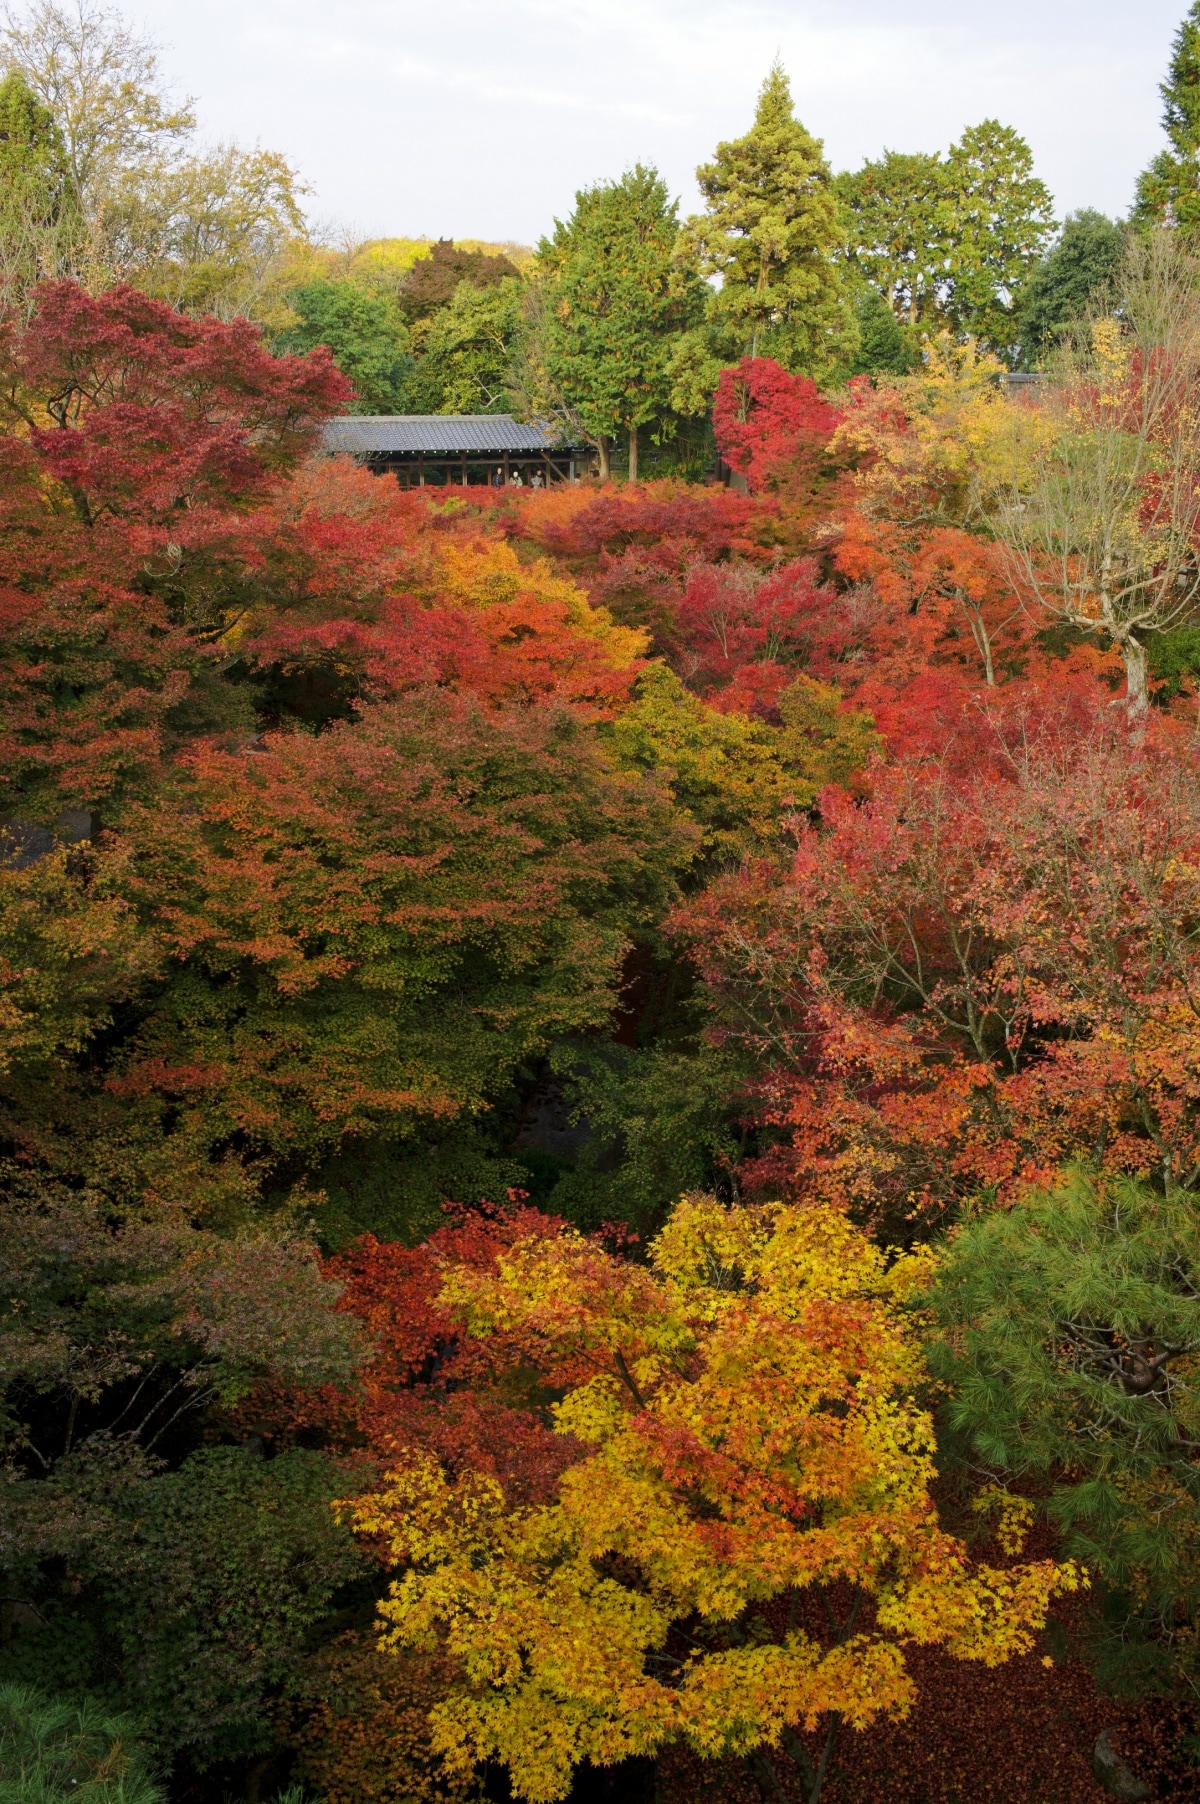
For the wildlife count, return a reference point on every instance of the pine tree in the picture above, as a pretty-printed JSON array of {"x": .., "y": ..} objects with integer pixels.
[
  {"x": 772, "y": 229},
  {"x": 1070, "y": 1326},
  {"x": 1169, "y": 190}
]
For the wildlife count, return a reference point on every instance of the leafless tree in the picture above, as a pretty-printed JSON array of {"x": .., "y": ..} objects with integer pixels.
[{"x": 1101, "y": 529}]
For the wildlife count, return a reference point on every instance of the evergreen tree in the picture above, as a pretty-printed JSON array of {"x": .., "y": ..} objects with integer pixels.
[
  {"x": 1081, "y": 265},
  {"x": 772, "y": 229},
  {"x": 885, "y": 347},
  {"x": 31, "y": 145},
  {"x": 54, "y": 1749},
  {"x": 619, "y": 300},
  {"x": 364, "y": 332},
  {"x": 951, "y": 241},
  {"x": 1071, "y": 1325},
  {"x": 898, "y": 230},
  {"x": 999, "y": 218},
  {"x": 1169, "y": 190}
]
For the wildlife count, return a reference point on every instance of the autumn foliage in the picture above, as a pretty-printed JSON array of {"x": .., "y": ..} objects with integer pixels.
[
  {"x": 747, "y": 1402},
  {"x": 417, "y": 872}
]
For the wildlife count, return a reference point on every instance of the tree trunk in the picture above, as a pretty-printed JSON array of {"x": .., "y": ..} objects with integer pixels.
[
  {"x": 633, "y": 453},
  {"x": 982, "y": 640},
  {"x": 1137, "y": 691},
  {"x": 813, "y": 1777},
  {"x": 605, "y": 465}
]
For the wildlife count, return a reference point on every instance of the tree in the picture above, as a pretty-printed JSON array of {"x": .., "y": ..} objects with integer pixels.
[
  {"x": 427, "y": 1387},
  {"x": 102, "y": 85},
  {"x": 197, "y": 229},
  {"x": 618, "y": 299},
  {"x": 363, "y": 333},
  {"x": 1071, "y": 279},
  {"x": 104, "y": 1300},
  {"x": 468, "y": 350},
  {"x": 951, "y": 240},
  {"x": 360, "y": 1731},
  {"x": 1070, "y": 1326},
  {"x": 52, "y": 1751},
  {"x": 37, "y": 202},
  {"x": 477, "y": 879},
  {"x": 898, "y": 230},
  {"x": 151, "y": 412},
  {"x": 137, "y": 443},
  {"x": 1000, "y": 216},
  {"x": 771, "y": 230},
  {"x": 754, "y": 1444},
  {"x": 1168, "y": 191},
  {"x": 209, "y": 233},
  {"x": 1102, "y": 533},
  {"x": 231, "y": 1562},
  {"x": 977, "y": 975},
  {"x": 884, "y": 348},
  {"x": 122, "y": 1326},
  {"x": 432, "y": 282},
  {"x": 764, "y": 419}
]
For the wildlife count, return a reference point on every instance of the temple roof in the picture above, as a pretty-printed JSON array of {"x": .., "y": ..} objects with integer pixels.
[{"x": 378, "y": 434}]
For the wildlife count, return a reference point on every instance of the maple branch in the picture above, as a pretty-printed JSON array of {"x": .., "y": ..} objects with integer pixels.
[{"x": 628, "y": 1379}]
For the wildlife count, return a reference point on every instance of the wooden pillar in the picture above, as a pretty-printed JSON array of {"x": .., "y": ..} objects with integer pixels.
[
  {"x": 464, "y": 469},
  {"x": 421, "y": 468},
  {"x": 506, "y": 469}
]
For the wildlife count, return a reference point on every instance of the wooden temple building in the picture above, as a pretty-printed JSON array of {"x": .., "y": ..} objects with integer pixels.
[{"x": 440, "y": 448}]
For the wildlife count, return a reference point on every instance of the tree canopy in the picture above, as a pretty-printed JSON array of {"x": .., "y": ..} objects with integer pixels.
[
  {"x": 618, "y": 295},
  {"x": 771, "y": 223},
  {"x": 1169, "y": 188}
]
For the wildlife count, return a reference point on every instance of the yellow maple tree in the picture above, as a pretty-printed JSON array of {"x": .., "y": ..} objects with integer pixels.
[{"x": 752, "y": 1438}]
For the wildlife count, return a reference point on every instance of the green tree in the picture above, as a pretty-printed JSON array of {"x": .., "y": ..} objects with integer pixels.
[
  {"x": 1077, "y": 270},
  {"x": 235, "y": 1560},
  {"x": 103, "y": 86},
  {"x": 951, "y": 241},
  {"x": 885, "y": 346},
  {"x": 1168, "y": 191},
  {"x": 897, "y": 208},
  {"x": 1071, "y": 1327},
  {"x": 363, "y": 330},
  {"x": 52, "y": 1751},
  {"x": 999, "y": 219},
  {"x": 771, "y": 232},
  {"x": 38, "y": 219},
  {"x": 467, "y": 352},
  {"x": 661, "y": 1122},
  {"x": 619, "y": 300},
  {"x": 205, "y": 233}
]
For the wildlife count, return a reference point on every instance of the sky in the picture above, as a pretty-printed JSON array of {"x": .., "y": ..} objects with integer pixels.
[{"x": 481, "y": 118}]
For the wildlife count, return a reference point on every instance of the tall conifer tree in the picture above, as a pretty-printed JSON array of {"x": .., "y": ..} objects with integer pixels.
[
  {"x": 771, "y": 231},
  {"x": 1169, "y": 190}
]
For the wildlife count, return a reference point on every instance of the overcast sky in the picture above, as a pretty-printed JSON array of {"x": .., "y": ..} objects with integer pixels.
[{"x": 480, "y": 118}]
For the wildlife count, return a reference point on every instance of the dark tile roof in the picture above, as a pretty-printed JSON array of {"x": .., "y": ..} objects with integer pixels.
[{"x": 376, "y": 434}]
